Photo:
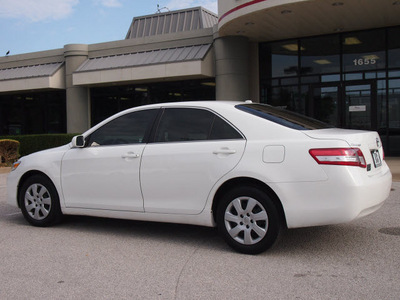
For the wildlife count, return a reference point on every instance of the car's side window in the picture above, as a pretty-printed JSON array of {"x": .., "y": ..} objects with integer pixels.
[
  {"x": 189, "y": 124},
  {"x": 131, "y": 128},
  {"x": 221, "y": 130}
]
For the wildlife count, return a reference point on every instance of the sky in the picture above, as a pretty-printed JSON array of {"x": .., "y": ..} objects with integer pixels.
[{"x": 38, "y": 25}]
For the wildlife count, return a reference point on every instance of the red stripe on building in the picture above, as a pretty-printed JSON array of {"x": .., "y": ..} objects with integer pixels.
[{"x": 239, "y": 7}]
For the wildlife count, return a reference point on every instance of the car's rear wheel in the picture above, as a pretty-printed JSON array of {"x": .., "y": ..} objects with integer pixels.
[
  {"x": 39, "y": 201},
  {"x": 248, "y": 220}
]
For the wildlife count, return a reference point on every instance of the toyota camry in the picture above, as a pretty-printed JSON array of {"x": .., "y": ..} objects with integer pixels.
[{"x": 249, "y": 169}]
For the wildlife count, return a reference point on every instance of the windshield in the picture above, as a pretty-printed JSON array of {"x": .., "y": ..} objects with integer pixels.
[{"x": 283, "y": 117}]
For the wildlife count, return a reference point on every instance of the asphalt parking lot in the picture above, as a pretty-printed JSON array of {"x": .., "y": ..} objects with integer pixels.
[{"x": 94, "y": 258}]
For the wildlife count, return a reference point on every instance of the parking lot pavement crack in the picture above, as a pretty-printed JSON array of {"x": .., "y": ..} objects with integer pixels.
[
  {"x": 182, "y": 270},
  {"x": 390, "y": 231}
]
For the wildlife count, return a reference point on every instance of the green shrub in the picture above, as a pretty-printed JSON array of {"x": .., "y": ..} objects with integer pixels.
[
  {"x": 8, "y": 151},
  {"x": 37, "y": 142}
]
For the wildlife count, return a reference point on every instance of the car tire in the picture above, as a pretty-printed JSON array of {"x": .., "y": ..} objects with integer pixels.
[
  {"x": 39, "y": 201},
  {"x": 248, "y": 220}
]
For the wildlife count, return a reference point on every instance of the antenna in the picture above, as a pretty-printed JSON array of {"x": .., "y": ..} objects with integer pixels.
[{"x": 159, "y": 10}]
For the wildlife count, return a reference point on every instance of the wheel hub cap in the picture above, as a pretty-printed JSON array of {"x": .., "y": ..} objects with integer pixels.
[
  {"x": 37, "y": 201},
  {"x": 246, "y": 220}
]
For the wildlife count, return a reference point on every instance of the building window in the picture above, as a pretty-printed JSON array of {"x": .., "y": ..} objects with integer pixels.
[
  {"x": 349, "y": 80},
  {"x": 282, "y": 59},
  {"x": 394, "y": 47},
  {"x": 394, "y": 116},
  {"x": 106, "y": 101},
  {"x": 364, "y": 51},
  {"x": 320, "y": 55},
  {"x": 33, "y": 113}
]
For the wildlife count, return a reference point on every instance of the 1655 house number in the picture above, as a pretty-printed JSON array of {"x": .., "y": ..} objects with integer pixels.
[{"x": 364, "y": 61}]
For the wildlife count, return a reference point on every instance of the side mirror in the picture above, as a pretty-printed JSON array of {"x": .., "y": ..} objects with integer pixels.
[{"x": 78, "y": 141}]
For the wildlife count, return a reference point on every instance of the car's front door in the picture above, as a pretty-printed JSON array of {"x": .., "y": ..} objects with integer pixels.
[
  {"x": 192, "y": 150},
  {"x": 105, "y": 173}
]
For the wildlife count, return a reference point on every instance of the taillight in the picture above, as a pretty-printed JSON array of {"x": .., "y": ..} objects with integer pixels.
[{"x": 339, "y": 156}]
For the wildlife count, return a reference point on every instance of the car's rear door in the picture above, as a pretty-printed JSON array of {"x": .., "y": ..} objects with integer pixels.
[{"x": 192, "y": 149}]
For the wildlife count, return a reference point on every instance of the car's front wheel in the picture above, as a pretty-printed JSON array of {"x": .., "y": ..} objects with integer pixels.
[
  {"x": 248, "y": 220},
  {"x": 39, "y": 201}
]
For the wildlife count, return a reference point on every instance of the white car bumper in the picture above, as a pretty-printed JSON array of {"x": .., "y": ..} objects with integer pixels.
[{"x": 350, "y": 195}]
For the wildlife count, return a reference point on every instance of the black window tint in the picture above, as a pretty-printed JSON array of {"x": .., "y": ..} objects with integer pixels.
[
  {"x": 187, "y": 124},
  {"x": 184, "y": 124},
  {"x": 131, "y": 128},
  {"x": 283, "y": 117},
  {"x": 223, "y": 131}
]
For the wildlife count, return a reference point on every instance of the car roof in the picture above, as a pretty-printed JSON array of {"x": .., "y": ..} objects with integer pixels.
[{"x": 207, "y": 103}]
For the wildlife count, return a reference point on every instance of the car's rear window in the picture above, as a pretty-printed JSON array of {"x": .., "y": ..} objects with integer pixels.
[{"x": 283, "y": 117}]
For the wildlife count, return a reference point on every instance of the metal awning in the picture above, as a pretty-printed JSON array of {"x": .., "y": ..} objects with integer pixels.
[
  {"x": 184, "y": 62},
  {"x": 145, "y": 58},
  {"x": 32, "y": 77},
  {"x": 30, "y": 71}
]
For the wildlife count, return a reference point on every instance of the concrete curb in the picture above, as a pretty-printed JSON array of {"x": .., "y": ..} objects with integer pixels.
[
  {"x": 4, "y": 170},
  {"x": 394, "y": 165}
]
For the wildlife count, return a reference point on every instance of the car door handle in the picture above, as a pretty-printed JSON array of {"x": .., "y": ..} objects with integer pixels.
[
  {"x": 130, "y": 155},
  {"x": 226, "y": 151}
]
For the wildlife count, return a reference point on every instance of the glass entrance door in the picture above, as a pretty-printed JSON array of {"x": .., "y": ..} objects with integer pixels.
[
  {"x": 347, "y": 105},
  {"x": 360, "y": 106}
]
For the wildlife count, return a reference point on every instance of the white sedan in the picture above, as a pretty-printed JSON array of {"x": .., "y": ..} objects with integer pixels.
[{"x": 247, "y": 168}]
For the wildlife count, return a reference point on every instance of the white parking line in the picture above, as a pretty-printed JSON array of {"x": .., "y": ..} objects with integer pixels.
[{"x": 13, "y": 214}]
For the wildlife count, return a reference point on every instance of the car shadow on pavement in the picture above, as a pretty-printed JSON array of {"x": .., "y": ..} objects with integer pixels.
[
  {"x": 307, "y": 241},
  {"x": 190, "y": 235},
  {"x": 333, "y": 240}
]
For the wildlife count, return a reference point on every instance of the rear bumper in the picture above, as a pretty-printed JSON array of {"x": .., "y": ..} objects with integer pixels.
[{"x": 349, "y": 194}]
